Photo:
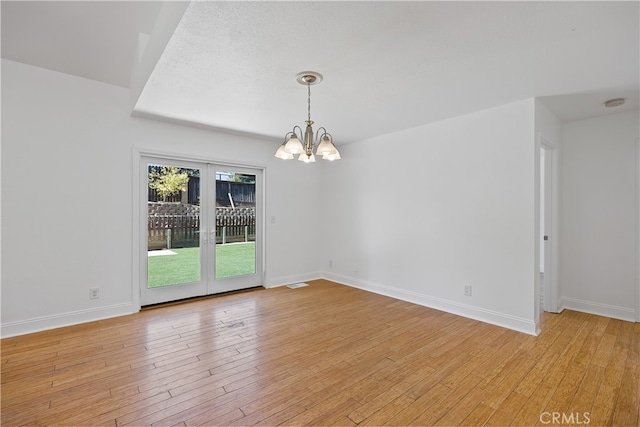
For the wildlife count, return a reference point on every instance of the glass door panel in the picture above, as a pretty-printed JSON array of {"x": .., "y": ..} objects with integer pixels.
[
  {"x": 174, "y": 253},
  {"x": 235, "y": 224},
  {"x": 173, "y": 244},
  {"x": 236, "y": 214}
]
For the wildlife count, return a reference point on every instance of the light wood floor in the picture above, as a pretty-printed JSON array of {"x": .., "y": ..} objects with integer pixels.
[{"x": 322, "y": 355}]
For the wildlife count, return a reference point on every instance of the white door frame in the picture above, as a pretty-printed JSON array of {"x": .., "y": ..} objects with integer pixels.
[
  {"x": 552, "y": 224},
  {"x": 136, "y": 244},
  {"x": 638, "y": 230}
]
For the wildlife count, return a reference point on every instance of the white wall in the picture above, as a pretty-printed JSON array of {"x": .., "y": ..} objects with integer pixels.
[
  {"x": 419, "y": 213},
  {"x": 600, "y": 215},
  {"x": 67, "y": 197}
]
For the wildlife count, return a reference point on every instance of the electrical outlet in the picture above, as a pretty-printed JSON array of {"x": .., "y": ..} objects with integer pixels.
[
  {"x": 94, "y": 293},
  {"x": 467, "y": 290}
]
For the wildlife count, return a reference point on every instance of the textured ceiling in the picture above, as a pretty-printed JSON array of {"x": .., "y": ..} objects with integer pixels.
[{"x": 387, "y": 65}]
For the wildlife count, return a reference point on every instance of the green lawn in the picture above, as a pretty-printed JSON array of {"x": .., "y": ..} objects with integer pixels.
[{"x": 233, "y": 259}]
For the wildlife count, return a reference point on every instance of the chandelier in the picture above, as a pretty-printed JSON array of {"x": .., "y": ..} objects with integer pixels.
[{"x": 295, "y": 143}]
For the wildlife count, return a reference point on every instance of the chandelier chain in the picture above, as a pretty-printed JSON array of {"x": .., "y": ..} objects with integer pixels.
[{"x": 308, "y": 102}]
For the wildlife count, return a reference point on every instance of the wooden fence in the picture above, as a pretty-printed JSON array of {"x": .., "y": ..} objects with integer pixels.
[
  {"x": 173, "y": 231},
  {"x": 166, "y": 231},
  {"x": 242, "y": 193},
  {"x": 235, "y": 225}
]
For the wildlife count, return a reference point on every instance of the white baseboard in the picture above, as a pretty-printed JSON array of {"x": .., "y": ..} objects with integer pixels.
[
  {"x": 598, "y": 309},
  {"x": 488, "y": 316},
  {"x": 89, "y": 315},
  {"x": 44, "y": 323}
]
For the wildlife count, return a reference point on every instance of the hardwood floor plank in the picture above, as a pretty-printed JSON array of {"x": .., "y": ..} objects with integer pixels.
[
  {"x": 439, "y": 409},
  {"x": 382, "y": 415},
  {"x": 418, "y": 406},
  {"x": 442, "y": 369},
  {"x": 533, "y": 408},
  {"x": 275, "y": 399},
  {"x": 24, "y": 415},
  {"x": 479, "y": 416},
  {"x": 101, "y": 414},
  {"x": 325, "y": 412},
  {"x": 207, "y": 409},
  {"x": 627, "y": 406},
  {"x": 511, "y": 373},
  {"x": 349, "y": 379},
  {"x": 601, "y": 413},
  {"x": 275, "y": 419},
  {"x": 566, "y": 390},
  {"x": 218, "y": 419},
  {"x": 463, "y": 407},
  {"x": 325, "y": 354},
  {"x": 405, "y": 382},
  {"x": 617, "y": 361},
  {"x": 604, "y": 351},
  {"x": 344, "y": 422},
  {"x": 537, "y": 374},
  {"x": 336, "y": 413},
  {"x": 586, "y": 393},
  {"x": 507, "y": 410}
]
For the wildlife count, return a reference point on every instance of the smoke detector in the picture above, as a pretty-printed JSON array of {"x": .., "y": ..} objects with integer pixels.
[{"x": 614, "y": 102}]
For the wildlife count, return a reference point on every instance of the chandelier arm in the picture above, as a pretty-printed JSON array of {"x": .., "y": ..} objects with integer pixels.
[
  {"x": 293, "y": 132},
  {"x": 288, "y": 135},
  {"x": 319, "y": 134}
]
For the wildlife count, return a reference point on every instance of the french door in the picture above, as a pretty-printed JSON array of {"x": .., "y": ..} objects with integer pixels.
[{"x": 201, "y": 229}]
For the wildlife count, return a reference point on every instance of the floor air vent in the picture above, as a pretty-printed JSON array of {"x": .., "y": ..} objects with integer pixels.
[{"x": 297, "y": 285}]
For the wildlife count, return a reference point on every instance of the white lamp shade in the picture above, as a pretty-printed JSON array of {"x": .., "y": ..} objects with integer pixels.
[
  {"x": 282, "y": 153},
  {"x": 307, "y": 159},
  {"x": 294, "y": 146},
  {"x": 326, "y": 147}
]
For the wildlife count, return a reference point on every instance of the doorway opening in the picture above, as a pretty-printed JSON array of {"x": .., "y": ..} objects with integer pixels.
[
  {"x": 545, "y": 217},
  {"x": 548, "y": 216}
]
